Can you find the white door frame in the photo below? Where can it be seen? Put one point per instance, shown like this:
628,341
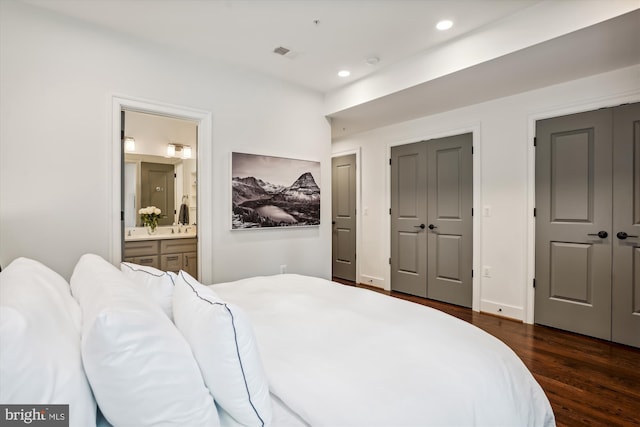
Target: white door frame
355,151
475,129
204,168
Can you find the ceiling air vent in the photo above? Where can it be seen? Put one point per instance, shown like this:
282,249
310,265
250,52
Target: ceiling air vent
281,50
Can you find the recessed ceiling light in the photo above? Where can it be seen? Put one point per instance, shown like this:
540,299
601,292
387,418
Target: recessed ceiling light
445,24
344,73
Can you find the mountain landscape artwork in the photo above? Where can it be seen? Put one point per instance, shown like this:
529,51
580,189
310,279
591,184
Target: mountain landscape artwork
270,191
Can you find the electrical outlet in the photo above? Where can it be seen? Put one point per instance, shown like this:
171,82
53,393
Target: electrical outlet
283,268
486,271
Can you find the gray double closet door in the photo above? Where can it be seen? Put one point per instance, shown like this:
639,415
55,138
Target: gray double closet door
588,223
431,219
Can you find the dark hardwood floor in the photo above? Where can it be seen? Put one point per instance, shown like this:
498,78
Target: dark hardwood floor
589,382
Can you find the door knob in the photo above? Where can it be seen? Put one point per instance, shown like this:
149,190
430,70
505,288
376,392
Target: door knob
622,235
601,234
431,226
421,226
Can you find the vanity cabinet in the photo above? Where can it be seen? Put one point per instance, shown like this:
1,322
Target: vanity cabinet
167,255
144,252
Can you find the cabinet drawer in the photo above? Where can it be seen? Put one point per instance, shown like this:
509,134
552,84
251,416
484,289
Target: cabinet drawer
171,262
141,248
173,246
150,261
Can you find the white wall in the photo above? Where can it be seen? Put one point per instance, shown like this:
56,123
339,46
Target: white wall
57,79
154,132
504,144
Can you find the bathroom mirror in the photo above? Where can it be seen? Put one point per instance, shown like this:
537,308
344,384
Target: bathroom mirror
159,168
167,183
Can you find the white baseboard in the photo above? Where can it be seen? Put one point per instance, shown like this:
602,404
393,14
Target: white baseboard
371,281
504,310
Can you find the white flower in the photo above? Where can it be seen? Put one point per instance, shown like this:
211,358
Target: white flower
150,210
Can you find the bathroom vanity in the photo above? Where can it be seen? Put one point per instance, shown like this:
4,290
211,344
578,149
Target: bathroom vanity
167,250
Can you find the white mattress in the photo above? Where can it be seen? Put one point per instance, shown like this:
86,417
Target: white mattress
343,356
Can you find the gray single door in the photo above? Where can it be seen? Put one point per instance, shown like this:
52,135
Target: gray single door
573,205
157,189
450,219
343,208
625,317
409,218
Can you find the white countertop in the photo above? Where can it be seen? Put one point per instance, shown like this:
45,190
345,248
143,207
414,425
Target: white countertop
133,234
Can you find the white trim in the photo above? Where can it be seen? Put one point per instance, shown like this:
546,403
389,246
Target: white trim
590,105
500,309
378,282
204,168
357,152
474,128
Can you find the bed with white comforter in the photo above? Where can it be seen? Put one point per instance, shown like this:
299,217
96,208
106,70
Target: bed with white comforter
343,356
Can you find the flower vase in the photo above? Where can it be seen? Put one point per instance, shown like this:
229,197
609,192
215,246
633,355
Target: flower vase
151,230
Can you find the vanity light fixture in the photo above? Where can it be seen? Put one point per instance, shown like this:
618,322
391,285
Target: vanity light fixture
173,148
186,152
129,144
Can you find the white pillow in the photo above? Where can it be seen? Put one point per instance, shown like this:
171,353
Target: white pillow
140,367
223,343
157,283
40,360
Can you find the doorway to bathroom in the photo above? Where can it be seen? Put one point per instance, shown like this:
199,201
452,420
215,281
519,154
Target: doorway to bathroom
159,188
182,237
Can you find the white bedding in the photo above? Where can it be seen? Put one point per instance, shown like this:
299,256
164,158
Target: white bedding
282,417
343,356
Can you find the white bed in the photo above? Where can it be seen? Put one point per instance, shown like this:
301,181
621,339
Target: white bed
152,348
343,356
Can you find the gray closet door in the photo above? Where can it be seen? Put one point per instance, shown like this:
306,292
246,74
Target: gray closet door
431,219
343,207
408,219
588,223
450,220
573,205
626,219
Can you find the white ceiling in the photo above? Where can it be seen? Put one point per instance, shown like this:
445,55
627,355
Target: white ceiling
245,32
607,46
326,36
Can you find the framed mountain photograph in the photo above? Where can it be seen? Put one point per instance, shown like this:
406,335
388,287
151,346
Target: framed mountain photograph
269,191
